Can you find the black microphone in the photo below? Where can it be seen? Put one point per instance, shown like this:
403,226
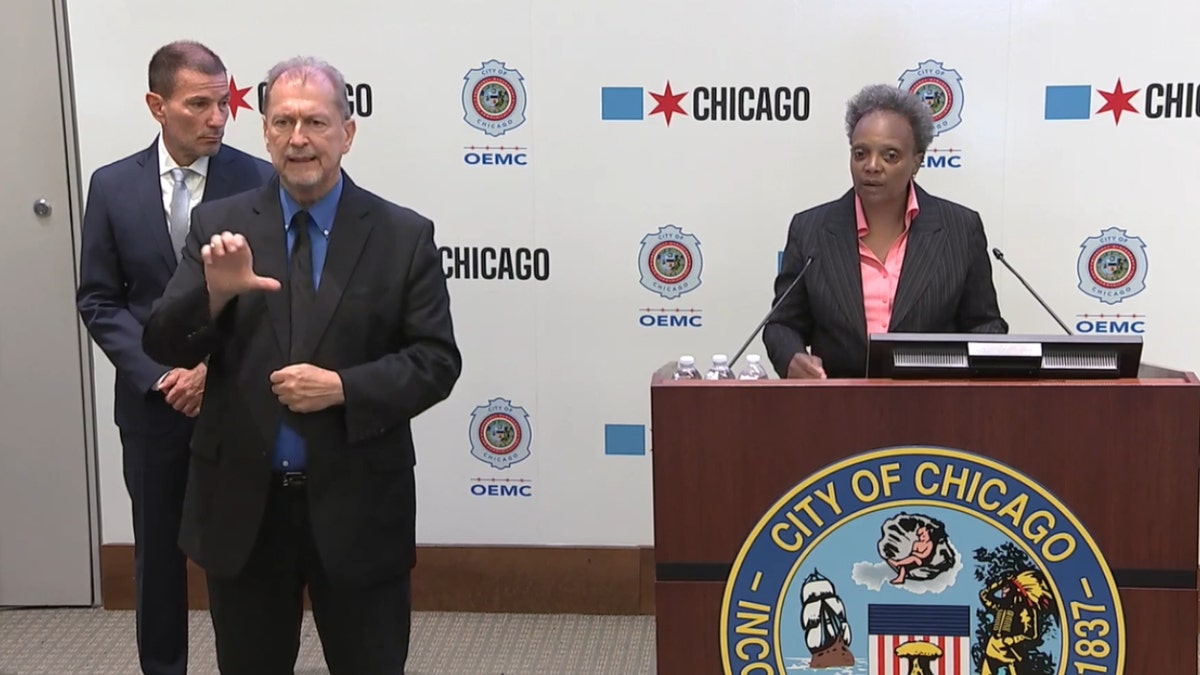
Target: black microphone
770,312
1000,256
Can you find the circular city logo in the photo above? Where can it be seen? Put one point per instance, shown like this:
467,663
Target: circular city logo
1112,266
670,262
500,433
493,98
921,561
940,88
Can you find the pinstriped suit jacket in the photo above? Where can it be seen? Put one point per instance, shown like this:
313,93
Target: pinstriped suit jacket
945,284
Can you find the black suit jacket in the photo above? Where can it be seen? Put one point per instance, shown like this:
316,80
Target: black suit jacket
381,320
945,284
126,260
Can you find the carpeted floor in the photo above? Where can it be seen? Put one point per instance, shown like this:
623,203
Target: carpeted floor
99,642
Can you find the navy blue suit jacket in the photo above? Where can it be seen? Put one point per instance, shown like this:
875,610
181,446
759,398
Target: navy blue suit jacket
126,261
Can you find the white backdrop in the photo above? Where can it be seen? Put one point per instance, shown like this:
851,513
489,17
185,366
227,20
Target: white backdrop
570,350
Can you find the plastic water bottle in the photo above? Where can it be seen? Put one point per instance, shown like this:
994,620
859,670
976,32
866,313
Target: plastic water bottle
753,369
686,369
720,368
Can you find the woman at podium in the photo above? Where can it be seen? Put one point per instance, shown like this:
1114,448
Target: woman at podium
886,256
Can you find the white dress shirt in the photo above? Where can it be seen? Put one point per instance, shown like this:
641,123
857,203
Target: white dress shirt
195,180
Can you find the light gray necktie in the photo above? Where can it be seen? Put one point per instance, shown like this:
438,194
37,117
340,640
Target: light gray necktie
180,203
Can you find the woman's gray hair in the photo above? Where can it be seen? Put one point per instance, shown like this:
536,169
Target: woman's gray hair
300,68
877,97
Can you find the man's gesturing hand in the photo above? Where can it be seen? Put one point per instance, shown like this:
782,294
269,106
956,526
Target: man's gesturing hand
229,267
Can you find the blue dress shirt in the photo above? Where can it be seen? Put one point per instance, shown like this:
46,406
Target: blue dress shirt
289,446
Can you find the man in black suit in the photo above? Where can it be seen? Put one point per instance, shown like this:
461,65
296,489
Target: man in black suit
325,318
133,229
887,256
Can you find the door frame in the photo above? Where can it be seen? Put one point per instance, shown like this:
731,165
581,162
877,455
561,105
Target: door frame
87,375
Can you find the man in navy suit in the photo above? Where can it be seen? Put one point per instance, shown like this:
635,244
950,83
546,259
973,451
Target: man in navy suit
134,224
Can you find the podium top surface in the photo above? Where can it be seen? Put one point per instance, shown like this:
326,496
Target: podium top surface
1148,375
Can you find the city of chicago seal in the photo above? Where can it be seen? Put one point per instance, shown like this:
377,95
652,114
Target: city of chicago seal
1112,266
500,433
940,88
670,262
921,561
493,98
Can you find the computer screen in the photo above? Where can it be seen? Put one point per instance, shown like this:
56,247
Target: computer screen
971,355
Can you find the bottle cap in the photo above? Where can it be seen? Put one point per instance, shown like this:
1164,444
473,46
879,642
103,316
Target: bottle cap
720,358
753,358
687,360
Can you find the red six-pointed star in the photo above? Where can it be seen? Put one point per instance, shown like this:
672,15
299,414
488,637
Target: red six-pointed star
668,103
1117,101
237,98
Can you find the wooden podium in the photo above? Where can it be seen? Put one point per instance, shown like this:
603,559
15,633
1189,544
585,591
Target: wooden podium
1123,455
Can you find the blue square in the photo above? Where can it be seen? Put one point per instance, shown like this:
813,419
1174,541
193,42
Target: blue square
624,439
1069,102
622,103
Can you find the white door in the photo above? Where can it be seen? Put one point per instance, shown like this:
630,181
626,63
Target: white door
48,537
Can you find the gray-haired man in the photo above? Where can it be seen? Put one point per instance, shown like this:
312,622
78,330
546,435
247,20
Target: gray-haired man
325,315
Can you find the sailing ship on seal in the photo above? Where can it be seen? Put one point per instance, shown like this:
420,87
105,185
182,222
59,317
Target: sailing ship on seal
823,617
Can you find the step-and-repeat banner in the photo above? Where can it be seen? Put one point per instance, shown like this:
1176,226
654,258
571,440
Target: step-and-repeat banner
612,184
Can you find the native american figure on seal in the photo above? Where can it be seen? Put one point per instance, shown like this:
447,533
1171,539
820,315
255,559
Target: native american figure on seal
1016,604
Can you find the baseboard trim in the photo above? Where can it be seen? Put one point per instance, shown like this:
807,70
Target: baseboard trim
542,580
536,580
